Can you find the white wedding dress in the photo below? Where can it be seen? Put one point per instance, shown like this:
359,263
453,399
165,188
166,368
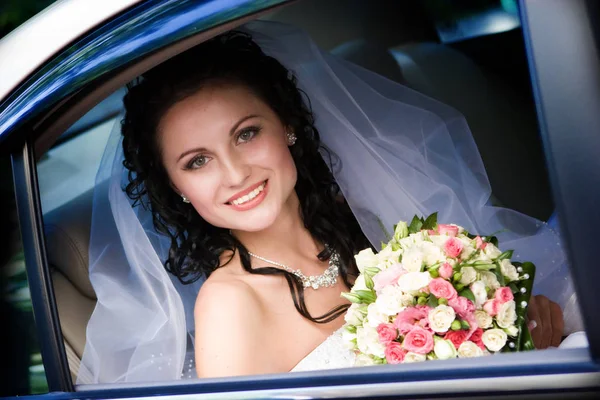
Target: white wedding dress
328,355
333,354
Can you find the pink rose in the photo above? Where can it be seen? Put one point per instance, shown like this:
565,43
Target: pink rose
394,353
409,317
449,230
503,295
440,287
388,277
387,333
446,271
453,247
456,337
432,232
480,244
463,306
491,307
476,338
418,340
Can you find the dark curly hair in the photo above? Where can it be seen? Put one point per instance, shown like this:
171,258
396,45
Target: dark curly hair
196,246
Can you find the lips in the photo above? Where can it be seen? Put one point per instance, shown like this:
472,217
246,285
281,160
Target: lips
245,192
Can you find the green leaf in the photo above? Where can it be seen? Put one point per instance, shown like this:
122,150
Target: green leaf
430,222
468,294
506,255
432,301
513,288
499,276
415,225
493,240
485,267
369,281
351,297
367,296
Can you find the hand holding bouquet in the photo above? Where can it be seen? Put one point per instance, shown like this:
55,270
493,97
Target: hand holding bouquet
435,291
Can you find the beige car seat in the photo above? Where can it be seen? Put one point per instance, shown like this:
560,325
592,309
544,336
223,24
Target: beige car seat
67,241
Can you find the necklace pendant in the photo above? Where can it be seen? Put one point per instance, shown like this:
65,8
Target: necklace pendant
327,279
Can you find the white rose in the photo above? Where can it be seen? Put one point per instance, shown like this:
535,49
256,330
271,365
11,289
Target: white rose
353,315
494,339
376,316
412,259
491,251
414,357
439,240
363,360
507,314
478,289
490,279
432,254
359,284
483,319
469,275
512,331
412,282
411,240
349,339
365,258
468,247
367,341
440,318
444,349
407,300
469,349
509,270
387,257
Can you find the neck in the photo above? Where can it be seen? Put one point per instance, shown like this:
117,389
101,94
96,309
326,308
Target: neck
286,236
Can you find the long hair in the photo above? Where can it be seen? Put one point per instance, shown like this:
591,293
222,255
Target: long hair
197,246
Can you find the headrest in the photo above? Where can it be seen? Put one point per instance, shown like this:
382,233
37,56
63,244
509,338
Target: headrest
67,231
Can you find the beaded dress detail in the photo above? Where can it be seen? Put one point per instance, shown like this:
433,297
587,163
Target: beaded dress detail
330,354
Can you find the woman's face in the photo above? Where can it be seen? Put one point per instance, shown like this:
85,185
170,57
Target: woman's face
227,152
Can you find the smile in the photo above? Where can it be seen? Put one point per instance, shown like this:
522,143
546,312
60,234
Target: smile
250,198
250,195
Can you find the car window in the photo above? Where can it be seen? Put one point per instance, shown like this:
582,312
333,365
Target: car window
69,168
469,75
22,367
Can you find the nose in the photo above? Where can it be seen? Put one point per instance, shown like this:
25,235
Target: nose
235,171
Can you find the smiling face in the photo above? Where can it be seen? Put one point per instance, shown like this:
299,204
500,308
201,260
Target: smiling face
227,152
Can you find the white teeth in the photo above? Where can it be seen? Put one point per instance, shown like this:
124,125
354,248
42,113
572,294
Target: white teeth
249,196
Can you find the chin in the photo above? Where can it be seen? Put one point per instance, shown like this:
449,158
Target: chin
256,223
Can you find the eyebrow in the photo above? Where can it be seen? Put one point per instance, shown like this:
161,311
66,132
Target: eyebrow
231,132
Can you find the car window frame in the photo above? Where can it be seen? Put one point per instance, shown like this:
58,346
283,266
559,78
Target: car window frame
46,127
567,128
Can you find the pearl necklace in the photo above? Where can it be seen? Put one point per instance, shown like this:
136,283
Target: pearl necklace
327,279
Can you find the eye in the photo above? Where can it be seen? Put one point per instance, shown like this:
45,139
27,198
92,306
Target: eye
197,162
247,134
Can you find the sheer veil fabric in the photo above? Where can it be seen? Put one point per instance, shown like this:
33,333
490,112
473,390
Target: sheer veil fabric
397,153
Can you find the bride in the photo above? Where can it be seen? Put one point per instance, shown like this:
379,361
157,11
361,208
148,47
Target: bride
256,166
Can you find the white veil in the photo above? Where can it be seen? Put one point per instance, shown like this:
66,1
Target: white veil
399,153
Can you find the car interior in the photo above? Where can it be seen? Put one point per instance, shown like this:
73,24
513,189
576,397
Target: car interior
483,77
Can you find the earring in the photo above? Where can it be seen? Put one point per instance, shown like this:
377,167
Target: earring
291,138
185,199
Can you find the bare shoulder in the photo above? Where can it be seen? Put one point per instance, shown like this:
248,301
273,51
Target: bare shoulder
228,317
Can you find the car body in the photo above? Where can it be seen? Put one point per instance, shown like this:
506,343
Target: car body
65,74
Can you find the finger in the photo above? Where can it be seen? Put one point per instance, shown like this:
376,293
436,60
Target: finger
534,321
545,320
558,324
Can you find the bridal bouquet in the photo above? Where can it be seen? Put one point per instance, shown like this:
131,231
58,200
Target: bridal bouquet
435,291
